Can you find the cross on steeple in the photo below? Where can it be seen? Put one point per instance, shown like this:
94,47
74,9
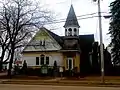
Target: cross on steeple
71,2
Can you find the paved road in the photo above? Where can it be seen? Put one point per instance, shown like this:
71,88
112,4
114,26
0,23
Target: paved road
47,87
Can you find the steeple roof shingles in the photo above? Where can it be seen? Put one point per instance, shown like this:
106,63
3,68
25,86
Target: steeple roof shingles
71,18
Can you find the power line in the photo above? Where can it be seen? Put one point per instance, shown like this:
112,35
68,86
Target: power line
77,19
55,3
70,20
81,15
63,20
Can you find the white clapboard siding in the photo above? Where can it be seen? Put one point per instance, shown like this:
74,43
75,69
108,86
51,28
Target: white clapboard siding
31,60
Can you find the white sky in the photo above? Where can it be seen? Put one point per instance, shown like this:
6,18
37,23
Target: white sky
81,7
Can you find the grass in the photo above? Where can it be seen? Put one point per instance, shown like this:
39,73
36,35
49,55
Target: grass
25,77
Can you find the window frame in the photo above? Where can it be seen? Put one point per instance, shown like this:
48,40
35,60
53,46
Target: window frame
37,61
66,32
70,32
42,42
68,64
46,60
75,32
42,59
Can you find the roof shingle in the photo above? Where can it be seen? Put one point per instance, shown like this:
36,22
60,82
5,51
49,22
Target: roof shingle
71,18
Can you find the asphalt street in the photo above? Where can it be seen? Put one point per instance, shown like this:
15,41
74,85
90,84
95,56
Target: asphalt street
48,87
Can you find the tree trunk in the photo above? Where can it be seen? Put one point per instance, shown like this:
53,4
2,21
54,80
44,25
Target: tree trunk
1,61
10,63
0,65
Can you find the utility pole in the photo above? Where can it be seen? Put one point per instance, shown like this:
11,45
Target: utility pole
101,41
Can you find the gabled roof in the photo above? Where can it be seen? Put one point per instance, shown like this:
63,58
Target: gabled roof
52,41
56,37
86,42
71,18
88,38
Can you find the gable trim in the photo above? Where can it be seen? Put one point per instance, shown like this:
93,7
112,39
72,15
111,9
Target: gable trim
42,29
52,38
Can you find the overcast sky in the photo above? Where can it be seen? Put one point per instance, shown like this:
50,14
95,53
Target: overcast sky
81,7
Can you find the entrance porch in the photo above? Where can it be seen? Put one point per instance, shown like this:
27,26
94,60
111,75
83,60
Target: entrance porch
72,61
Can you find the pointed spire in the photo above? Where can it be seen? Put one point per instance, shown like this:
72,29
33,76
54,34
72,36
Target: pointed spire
71,18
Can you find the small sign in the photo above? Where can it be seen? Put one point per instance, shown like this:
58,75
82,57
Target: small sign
61,69
44,70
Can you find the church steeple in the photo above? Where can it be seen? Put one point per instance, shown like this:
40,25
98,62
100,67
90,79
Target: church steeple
71,18
71,25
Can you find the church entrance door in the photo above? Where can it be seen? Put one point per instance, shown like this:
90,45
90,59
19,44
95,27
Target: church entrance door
69,63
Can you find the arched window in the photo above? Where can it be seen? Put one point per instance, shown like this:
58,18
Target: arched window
75,32
42,57
69,32
65,32
47,60
37,61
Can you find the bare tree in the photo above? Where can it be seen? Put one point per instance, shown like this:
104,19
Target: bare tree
4,44
19,19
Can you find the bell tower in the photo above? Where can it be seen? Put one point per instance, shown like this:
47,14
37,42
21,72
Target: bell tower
71,25
71,38
71,42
